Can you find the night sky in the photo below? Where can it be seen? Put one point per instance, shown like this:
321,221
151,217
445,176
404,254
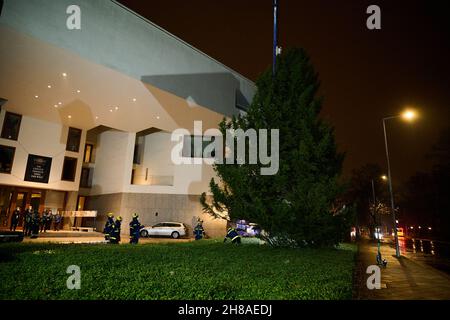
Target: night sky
366,75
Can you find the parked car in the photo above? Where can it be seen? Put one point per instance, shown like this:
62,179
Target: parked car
165,229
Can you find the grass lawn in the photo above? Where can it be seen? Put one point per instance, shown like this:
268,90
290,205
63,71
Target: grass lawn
207,269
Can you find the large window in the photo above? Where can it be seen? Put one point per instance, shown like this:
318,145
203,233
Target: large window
11,126
6,158
73,140
69,169
194,146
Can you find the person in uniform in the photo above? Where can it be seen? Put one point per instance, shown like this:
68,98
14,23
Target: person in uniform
28,221
57,221
43,221
35,223
49,220
108,225
114,237
233,235
199,231
135,229
15,219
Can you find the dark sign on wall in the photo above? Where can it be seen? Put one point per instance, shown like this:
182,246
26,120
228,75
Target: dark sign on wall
38,168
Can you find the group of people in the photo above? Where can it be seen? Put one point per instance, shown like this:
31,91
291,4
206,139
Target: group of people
112,229
33,222
199,233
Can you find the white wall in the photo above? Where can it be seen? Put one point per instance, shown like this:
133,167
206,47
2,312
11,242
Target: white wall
187,178
155,160
113,163
45,139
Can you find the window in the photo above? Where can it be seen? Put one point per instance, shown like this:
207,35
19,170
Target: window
73,140
6,158
194,146
69,169
11,126
84,180
88,152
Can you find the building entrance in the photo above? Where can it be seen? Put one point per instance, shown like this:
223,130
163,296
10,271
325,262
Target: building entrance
13,197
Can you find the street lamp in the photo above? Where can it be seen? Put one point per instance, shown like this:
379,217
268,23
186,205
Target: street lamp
408,115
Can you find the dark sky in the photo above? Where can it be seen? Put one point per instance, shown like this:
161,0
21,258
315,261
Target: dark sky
366,75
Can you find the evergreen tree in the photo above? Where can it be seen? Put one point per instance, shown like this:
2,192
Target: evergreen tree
294,206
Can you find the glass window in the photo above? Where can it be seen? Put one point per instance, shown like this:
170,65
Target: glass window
88,152
69,169
11,126
6,158
73,140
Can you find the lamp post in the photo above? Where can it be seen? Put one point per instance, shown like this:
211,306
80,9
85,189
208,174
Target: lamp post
408,115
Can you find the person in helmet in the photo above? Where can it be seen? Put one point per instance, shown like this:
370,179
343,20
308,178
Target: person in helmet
108,225
135,229
233,235
114,236
199,231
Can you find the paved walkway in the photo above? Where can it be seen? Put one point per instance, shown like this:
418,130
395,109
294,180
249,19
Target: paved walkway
402,279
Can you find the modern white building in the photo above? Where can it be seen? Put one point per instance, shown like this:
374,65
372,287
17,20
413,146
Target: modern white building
87,113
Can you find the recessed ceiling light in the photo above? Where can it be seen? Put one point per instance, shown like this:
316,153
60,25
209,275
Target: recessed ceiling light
117,108
36,96
134,99
78,91
69,116
56,106
110,110
60,103
49,86
96,118
64,74
157,117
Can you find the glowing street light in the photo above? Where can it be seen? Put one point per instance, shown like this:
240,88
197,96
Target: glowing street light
384,177
407,115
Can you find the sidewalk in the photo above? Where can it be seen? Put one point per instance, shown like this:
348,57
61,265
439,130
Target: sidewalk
402,279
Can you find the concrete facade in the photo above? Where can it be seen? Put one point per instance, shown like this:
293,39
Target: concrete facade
170,207
126,83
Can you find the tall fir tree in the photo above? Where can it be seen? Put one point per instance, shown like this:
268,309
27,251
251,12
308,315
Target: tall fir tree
294,206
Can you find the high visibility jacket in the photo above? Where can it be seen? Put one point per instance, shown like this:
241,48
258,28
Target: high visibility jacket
108,226
198,232
135,227
232,234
